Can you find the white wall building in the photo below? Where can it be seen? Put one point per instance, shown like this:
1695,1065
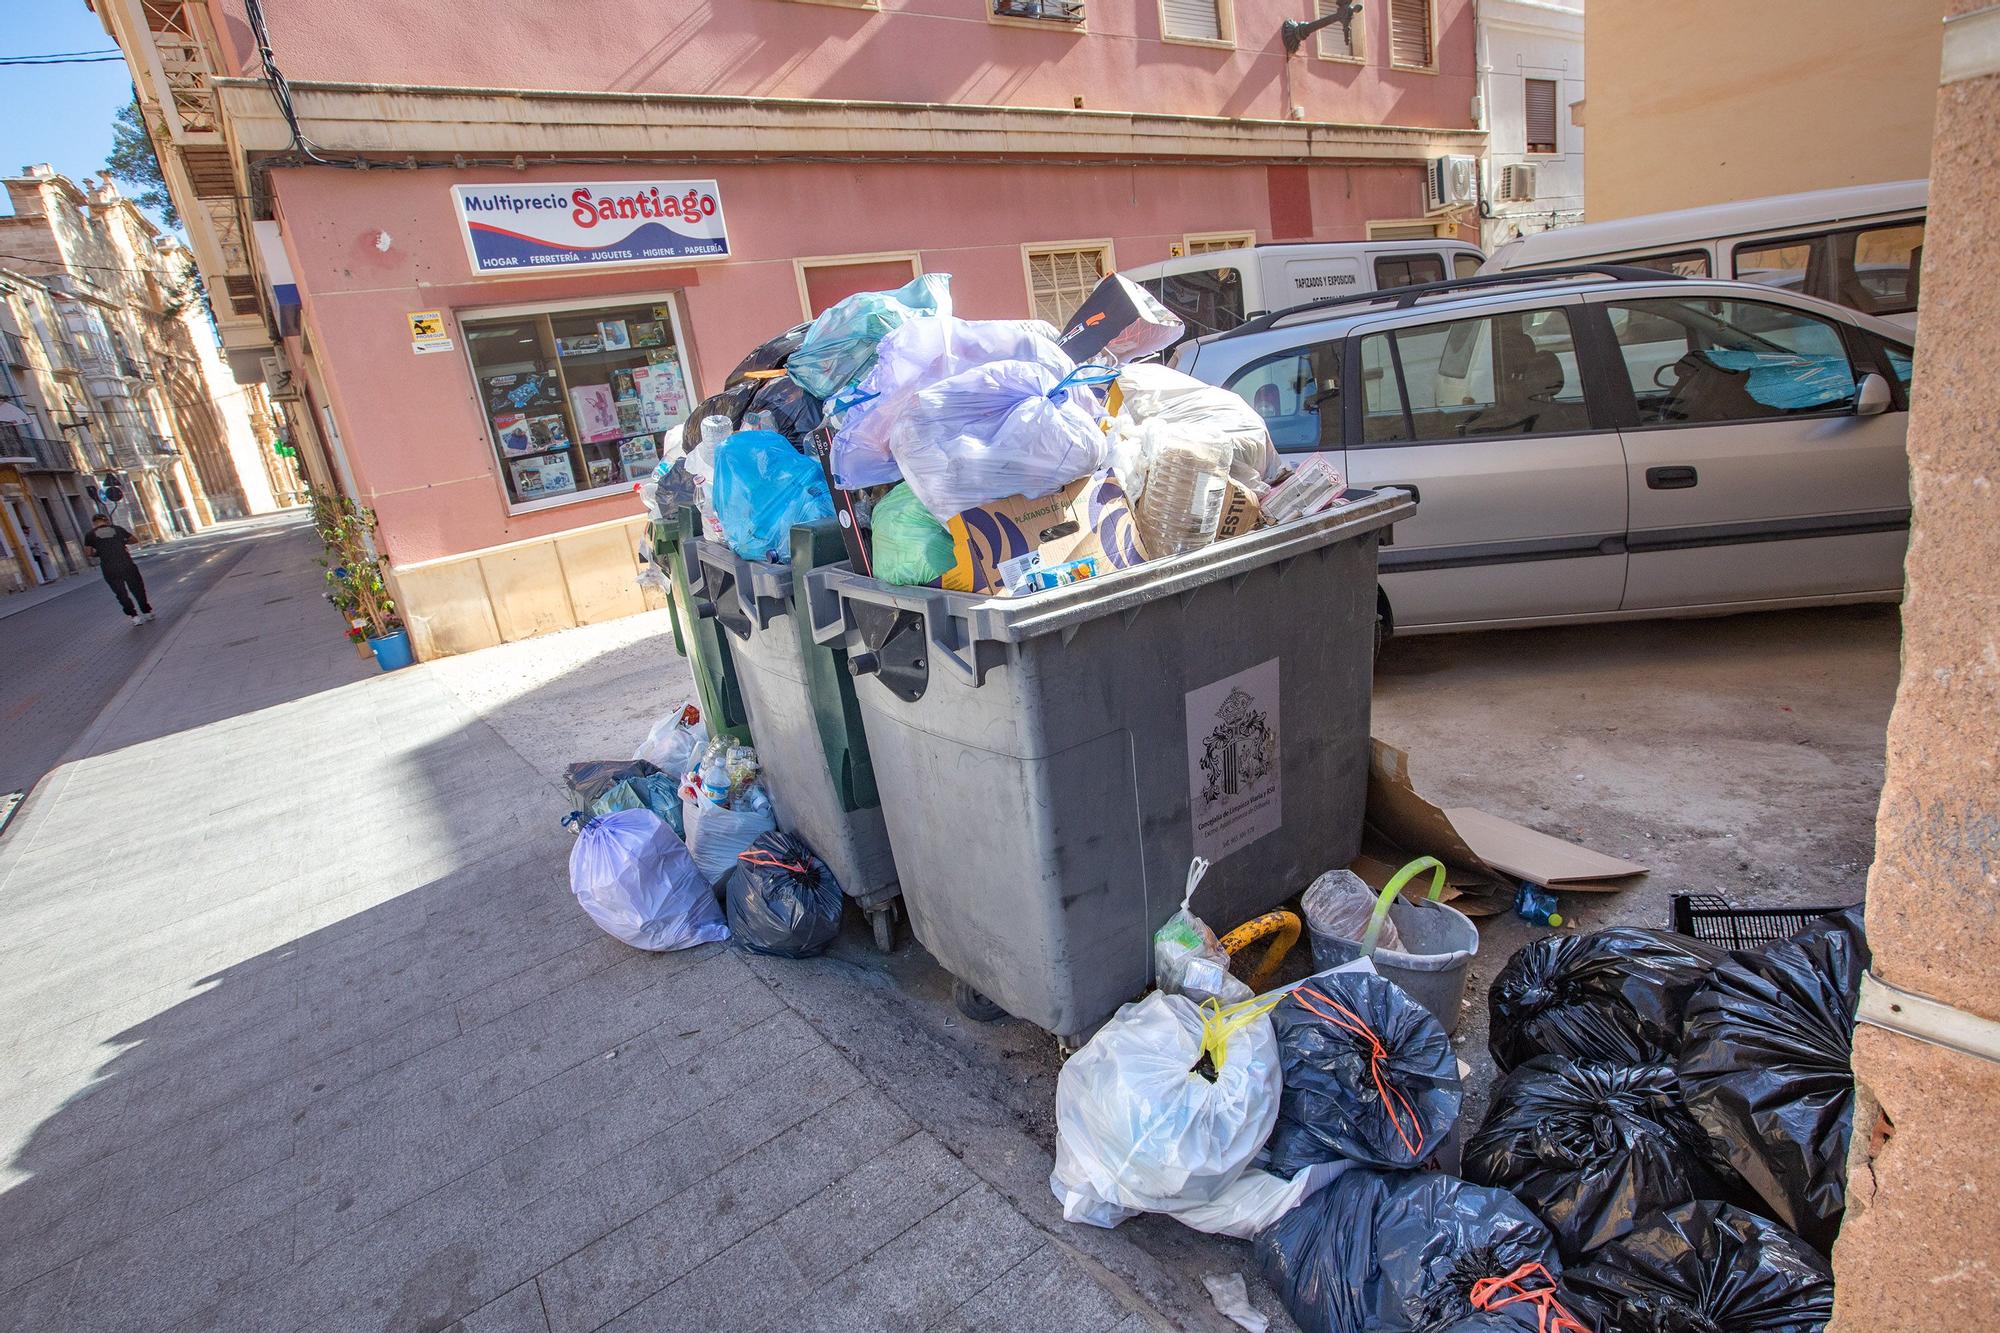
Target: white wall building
1530,59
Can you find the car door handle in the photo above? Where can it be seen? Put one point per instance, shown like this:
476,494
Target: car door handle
1671,478
1416,496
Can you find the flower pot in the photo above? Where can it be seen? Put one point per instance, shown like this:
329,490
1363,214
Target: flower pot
392,651
362,647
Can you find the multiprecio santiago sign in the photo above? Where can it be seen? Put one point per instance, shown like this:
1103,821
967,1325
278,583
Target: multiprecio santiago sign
589,224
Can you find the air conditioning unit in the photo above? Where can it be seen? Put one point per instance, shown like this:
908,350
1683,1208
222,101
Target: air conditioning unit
1517,183
1452,182
278,379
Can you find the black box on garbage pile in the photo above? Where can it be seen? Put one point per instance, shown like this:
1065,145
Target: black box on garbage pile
1121,315
819,443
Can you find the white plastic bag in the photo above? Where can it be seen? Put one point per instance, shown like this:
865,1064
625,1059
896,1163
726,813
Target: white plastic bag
716,834
633,877
916,354
1187,957
1004,428
674,739
1340,903
1150,392
1140,1123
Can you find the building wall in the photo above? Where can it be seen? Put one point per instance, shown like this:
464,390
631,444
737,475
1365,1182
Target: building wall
1723,100
944,51
1521,40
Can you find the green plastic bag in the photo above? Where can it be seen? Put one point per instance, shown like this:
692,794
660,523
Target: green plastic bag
910,545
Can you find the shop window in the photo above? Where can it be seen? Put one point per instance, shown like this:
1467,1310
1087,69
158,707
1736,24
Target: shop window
1060,277
1410,34
578,399
1339,41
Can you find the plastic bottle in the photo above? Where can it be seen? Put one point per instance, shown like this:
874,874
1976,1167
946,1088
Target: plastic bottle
715,776
701,467
1186,478
1537,904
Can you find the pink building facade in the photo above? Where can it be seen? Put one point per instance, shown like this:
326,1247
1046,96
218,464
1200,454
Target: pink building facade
850,146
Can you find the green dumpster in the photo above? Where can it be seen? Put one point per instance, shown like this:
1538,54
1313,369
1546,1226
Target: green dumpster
695,637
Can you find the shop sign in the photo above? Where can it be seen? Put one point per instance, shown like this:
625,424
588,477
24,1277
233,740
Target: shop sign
589,224
1235,788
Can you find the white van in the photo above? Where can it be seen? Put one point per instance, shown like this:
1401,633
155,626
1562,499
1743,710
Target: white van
1860,246
1216,290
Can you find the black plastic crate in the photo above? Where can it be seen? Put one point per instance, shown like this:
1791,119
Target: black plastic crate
1709,918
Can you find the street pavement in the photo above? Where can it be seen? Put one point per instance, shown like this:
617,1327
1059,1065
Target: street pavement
64,656
305,1031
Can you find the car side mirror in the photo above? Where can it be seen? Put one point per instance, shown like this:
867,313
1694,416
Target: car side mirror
1871,396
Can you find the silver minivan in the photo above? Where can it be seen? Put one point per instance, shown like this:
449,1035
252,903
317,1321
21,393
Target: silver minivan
1606,445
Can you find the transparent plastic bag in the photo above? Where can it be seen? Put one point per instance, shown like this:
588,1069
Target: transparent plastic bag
634,878
1004,428
1340,903
841,344
1164,1108
717,835
919,353
1188,958
1151,392
674,739
763,489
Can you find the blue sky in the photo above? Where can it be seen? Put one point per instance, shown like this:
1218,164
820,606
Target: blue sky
59,114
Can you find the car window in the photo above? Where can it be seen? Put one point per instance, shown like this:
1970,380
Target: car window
1297,393
1701,360
1207,301
1383,420
1464,265
1403,270
1513,373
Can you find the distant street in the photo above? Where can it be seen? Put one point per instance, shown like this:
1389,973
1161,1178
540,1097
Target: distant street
63,660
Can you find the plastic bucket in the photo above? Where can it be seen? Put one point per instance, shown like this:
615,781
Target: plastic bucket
1442,939
392,651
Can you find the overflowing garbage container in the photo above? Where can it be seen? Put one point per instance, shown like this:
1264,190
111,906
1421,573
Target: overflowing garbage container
801,703
696,639
1049,764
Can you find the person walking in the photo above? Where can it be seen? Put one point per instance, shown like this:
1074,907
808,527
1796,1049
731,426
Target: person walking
110,546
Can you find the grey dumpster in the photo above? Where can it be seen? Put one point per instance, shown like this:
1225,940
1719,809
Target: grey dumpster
1050,764
800,701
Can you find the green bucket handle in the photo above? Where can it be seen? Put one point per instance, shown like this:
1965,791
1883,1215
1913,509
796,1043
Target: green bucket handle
1394,886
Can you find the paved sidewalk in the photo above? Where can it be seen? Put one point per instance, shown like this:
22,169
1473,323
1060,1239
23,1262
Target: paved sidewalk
306,1032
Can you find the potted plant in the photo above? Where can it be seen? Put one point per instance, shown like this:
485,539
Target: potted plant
354,579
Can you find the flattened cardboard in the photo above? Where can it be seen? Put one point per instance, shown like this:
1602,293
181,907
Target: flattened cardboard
1088,517
1483,854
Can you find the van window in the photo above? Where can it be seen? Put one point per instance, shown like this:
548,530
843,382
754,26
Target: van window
1697,361
1207,301
1297,392
1513,373
1464,265
1683,263
1403,270
1873,269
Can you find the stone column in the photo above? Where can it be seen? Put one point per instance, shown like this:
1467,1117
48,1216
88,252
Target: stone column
1920,1249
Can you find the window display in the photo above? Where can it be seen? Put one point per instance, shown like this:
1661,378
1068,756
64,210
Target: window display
578,399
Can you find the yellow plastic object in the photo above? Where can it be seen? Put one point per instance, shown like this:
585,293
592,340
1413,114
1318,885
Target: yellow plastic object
1219,1021
1281,927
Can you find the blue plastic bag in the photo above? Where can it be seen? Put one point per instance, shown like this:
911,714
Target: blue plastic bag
763,489
840,345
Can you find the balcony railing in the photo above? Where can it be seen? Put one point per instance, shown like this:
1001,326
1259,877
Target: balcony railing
33,451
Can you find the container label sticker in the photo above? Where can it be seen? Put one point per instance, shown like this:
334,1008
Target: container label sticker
1235,792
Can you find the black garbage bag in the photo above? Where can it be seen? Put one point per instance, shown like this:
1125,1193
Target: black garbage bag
796,411
1369,1076
772,353
1705,1267
732,402
1765,1069
1398,1252
1591,1148
590,780
781,899
1614,997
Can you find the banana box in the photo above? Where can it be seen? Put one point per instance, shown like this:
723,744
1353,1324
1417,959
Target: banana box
1089,517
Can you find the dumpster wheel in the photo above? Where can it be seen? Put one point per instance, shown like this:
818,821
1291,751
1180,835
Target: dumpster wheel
974,1005
1282,929
882,920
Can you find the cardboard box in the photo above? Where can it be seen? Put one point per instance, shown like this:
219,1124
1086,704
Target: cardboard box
1240,512
1088,517
1120,316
